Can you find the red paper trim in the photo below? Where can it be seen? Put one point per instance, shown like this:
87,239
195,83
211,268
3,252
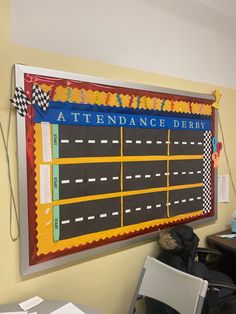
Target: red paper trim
32,225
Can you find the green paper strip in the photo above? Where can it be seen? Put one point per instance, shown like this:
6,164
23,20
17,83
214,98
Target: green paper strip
55,141
56,223
55,183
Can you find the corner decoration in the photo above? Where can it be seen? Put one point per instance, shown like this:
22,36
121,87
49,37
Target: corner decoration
109,161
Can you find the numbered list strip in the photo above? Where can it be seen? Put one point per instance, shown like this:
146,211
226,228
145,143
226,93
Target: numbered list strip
46,142
45,184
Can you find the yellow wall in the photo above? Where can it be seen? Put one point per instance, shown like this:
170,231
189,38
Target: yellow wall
106,282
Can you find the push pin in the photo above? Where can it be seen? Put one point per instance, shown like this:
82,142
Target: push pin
218,147
215,158
214,144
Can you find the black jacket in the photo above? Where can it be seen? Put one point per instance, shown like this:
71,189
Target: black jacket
179,248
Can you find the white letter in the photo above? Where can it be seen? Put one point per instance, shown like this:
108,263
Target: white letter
132,122
176,123
162,122
75,114
61,117
122,120
143,121
113,119
100,118
203,125
191,125
152,122
184,124
87,116
197,125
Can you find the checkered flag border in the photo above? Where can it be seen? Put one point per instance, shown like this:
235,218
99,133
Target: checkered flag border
39,97
20,101
207,172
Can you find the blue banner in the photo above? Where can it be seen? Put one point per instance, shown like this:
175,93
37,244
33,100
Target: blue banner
94,118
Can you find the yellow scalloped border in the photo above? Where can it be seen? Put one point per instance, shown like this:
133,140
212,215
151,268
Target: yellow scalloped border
82,96
44,218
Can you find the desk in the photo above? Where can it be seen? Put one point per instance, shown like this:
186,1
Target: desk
46,307
228,249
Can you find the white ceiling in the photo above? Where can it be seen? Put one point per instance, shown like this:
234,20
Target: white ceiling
192,39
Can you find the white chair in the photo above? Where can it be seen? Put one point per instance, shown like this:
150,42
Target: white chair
183,292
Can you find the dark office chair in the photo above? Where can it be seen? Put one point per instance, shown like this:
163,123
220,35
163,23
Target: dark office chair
179,249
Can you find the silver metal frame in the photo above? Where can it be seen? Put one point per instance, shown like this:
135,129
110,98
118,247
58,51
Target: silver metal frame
26,268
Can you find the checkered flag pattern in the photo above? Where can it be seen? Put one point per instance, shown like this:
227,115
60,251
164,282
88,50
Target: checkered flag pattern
207,172
40,97
20,101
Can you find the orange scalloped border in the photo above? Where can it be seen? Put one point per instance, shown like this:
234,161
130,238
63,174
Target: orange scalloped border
83,96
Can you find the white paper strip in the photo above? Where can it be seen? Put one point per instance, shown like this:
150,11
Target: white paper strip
15,312
223,189
68,308
28,304
45,184
46,141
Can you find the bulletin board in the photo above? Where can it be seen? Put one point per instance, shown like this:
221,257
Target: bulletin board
103,164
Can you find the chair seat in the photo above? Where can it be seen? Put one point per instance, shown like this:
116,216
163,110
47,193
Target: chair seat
216,276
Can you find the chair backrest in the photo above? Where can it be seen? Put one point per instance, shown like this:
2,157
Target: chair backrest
183,292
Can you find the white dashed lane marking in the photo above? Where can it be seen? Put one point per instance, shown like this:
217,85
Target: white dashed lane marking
191,199
79,180
65,181
129,141
103,179
91,217
79,219
91,179
128,177
103,215
130,210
